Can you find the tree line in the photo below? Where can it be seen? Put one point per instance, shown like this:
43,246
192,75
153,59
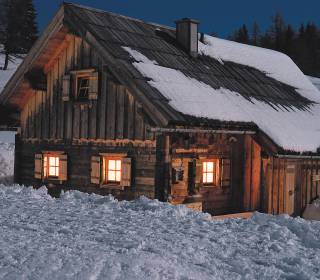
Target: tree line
18,28
301,44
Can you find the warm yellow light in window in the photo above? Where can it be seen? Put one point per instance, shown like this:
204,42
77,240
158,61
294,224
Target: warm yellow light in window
208,172
114,170
51,166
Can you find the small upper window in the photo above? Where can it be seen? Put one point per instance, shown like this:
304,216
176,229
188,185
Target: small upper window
51,166
83,88
209,172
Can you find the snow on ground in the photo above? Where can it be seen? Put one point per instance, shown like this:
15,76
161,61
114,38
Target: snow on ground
81,236
6,157
291,129
6,75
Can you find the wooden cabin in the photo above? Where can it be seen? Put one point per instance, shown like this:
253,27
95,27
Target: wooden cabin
113,105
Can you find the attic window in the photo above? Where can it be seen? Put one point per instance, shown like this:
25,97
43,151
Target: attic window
80,85
83,88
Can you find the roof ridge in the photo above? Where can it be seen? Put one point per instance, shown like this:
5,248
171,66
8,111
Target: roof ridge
117,15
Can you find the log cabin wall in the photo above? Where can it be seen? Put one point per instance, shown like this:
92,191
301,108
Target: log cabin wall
291,184
115,115
79,166
112,123
227,195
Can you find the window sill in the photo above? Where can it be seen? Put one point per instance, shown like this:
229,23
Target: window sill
209,187
52,180
81,102
112,187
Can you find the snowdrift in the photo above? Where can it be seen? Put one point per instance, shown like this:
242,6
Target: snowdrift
82,236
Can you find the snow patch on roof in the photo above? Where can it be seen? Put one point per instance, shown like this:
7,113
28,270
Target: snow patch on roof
293,130
274,64
315,81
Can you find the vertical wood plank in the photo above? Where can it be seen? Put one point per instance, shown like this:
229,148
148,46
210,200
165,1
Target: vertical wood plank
131,116
84,122
111,110
102,106
120,111
76,122
256,177
247,173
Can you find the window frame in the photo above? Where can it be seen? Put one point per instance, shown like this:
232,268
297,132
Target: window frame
215,172
80,74
105,170
46,166
79,79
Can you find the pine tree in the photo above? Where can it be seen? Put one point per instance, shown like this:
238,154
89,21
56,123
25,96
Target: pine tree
29,26
21,29
241,35
256,36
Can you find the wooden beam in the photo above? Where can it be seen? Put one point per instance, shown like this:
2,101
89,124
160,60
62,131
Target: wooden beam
58,53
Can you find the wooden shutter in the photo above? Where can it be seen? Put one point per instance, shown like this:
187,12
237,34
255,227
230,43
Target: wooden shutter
66,88
126,172
93,86
96,170
38,160
198,173
63,167
225,173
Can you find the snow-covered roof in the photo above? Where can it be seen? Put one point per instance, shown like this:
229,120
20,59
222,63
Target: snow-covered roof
291,128
228,83
315,81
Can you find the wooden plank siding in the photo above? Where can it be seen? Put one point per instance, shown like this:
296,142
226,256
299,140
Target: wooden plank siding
304,189
115,115
79,166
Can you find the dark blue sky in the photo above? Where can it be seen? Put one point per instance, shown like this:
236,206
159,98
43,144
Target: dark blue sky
221,17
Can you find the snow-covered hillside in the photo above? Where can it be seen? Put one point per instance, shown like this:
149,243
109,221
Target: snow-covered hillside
81,236
6,75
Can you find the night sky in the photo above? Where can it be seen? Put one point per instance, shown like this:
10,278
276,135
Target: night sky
221,17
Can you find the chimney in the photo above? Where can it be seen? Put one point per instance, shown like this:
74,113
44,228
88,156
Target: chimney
187,35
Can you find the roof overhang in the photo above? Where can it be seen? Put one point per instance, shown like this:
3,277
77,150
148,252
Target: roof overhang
18,89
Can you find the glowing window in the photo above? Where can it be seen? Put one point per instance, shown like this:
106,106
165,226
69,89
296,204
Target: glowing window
51,166
208,173
113,170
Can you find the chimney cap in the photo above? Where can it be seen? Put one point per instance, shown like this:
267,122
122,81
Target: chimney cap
187,20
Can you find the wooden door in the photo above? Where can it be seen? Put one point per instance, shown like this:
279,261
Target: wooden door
290,188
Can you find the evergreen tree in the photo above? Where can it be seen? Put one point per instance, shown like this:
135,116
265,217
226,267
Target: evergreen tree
302,45
256,36
21,29
241,35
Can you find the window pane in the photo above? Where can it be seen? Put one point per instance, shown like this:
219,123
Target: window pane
118,167
209,177
112,165
52,171
210,166
205,167
204,179
52,161
118,176
111,176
